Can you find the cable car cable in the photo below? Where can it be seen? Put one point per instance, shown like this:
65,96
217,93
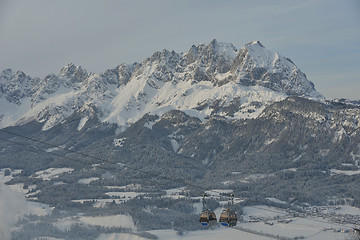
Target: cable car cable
124,165
155,175
99,159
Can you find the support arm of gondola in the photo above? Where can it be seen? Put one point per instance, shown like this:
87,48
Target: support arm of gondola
232,199
203,201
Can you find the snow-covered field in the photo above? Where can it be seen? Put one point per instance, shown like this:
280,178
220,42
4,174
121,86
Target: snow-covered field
51,173
4,179
259,222
87,180
307,228
175,193
118,236
278,222
349,173
118,220
218,233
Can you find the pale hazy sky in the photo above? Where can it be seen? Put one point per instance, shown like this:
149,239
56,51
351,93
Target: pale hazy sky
322,37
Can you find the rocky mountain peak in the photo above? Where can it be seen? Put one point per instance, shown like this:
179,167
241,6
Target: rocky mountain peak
5,77
15,86
165,57
256,65
76,73
6,72
119,75
8,75
256,43
222,48
214,57
211,52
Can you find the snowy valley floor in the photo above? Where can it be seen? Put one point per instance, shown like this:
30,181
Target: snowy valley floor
258,222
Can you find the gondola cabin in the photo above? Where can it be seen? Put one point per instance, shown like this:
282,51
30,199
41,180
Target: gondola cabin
207,218
228,218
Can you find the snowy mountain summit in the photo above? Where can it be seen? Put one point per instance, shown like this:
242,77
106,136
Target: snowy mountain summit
208,80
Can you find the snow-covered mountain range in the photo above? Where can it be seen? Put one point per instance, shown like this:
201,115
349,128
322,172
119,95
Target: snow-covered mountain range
208,80
138,144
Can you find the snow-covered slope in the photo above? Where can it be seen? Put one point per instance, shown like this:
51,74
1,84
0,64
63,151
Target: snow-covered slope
214,79
256,65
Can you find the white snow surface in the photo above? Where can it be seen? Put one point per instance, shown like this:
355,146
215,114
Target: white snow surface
174,144
126,187
124,195
175,193
119,142
218,233
118,236
87,180
51,173
82,123
5,179
343,209
118,220
267,220
267,59
261,211
126,109
345,172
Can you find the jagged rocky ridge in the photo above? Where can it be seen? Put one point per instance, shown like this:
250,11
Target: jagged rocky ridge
208,80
